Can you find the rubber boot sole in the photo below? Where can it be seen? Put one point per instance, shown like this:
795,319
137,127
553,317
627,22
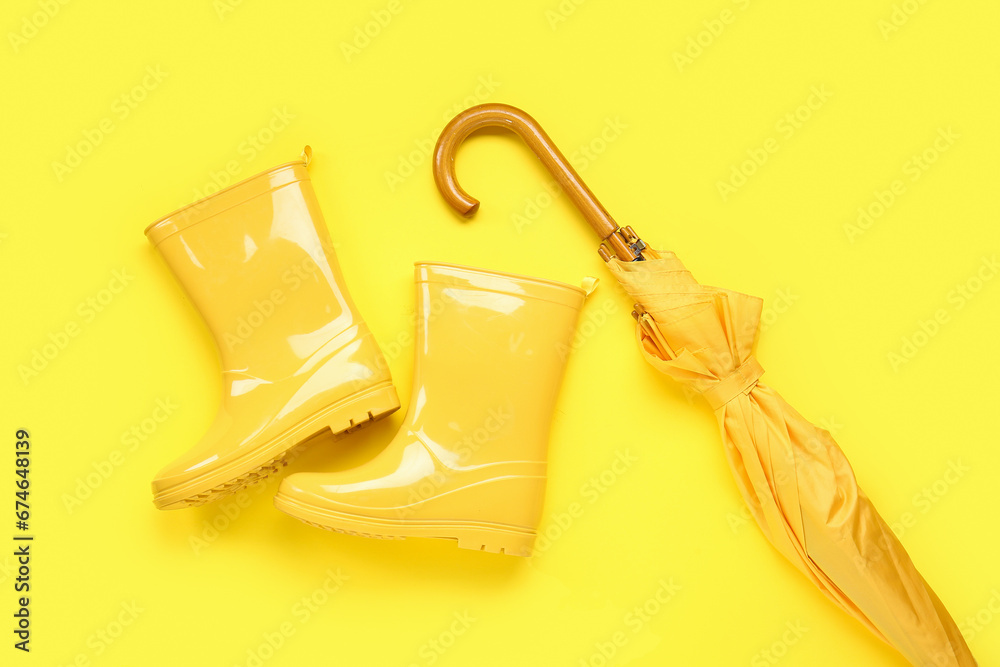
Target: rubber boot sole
474,535
255,466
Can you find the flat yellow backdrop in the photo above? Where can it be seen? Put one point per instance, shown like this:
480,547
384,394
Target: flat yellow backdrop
837,159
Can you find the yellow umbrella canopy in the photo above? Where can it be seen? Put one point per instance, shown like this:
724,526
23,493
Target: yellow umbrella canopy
795,479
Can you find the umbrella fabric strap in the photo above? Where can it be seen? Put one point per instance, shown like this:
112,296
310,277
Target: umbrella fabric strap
740,382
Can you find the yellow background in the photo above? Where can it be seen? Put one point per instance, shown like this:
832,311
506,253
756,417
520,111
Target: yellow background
837,304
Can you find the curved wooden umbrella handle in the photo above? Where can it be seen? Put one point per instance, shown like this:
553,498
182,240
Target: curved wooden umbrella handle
623,242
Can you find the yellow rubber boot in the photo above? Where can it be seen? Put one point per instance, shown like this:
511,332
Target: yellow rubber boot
469,462
257,262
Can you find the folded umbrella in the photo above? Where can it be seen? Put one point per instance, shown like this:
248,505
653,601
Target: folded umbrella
795,479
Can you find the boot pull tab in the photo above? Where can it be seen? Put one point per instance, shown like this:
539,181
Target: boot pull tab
589,284
307,155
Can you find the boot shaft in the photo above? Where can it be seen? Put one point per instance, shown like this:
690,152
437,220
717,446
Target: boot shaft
490,353
256,258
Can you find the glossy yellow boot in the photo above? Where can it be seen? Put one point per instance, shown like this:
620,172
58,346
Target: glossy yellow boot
469,462
257,262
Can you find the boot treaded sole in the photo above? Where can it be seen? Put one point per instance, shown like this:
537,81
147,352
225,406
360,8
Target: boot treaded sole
345,416
475,535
